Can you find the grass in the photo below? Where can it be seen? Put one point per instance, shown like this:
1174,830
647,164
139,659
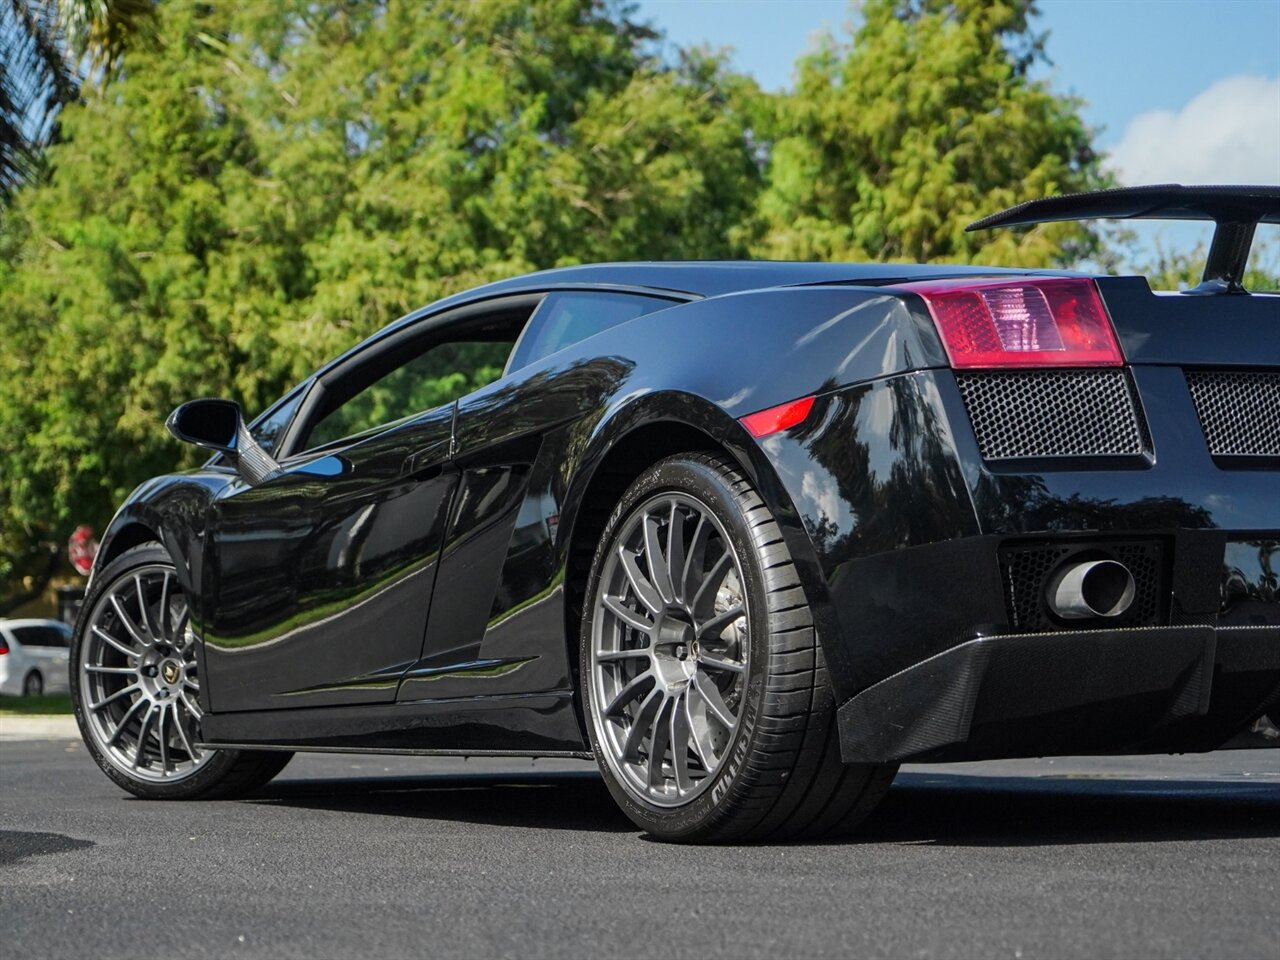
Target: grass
51,703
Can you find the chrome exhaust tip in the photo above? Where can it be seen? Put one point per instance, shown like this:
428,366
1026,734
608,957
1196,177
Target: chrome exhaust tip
1095,588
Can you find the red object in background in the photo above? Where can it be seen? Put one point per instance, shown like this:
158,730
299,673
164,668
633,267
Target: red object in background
82,548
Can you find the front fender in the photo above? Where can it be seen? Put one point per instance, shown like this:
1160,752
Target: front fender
169,509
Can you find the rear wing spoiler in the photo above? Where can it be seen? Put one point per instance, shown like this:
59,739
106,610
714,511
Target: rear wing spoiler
1235,210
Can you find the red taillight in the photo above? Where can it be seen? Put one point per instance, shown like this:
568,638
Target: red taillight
4,646
764,422
1040,322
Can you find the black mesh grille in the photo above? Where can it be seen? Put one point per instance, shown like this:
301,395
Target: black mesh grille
1053,413
1240,412
1026,570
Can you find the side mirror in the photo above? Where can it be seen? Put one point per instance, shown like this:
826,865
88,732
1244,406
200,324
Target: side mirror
219,425
213,424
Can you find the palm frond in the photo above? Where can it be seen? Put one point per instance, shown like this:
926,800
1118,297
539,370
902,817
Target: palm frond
100,31
35,80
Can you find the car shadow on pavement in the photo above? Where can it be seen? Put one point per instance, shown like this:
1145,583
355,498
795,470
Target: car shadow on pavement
958,810
561,800
926,808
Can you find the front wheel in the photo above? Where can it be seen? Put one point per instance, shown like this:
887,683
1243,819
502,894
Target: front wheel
135,687
704,686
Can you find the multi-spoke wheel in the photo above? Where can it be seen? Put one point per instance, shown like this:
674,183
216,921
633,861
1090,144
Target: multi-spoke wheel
136,687
703,683
669,651
139,677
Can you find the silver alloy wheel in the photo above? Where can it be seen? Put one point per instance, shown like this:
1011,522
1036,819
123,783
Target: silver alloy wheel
139,678
669,650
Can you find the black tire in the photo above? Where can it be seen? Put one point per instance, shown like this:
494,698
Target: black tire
786,780
221,774
32,684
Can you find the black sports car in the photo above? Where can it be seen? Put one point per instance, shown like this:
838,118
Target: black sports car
748,534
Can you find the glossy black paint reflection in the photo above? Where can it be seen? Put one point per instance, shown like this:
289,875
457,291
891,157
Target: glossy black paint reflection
1251,583
320,579
1228,331
892,517
484,724
480,526
172,511
1181,488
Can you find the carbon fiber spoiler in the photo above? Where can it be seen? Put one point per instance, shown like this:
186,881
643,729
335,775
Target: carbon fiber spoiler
1236,210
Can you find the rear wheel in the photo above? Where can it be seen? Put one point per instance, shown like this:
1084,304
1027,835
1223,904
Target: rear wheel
704,686
32,684
135,686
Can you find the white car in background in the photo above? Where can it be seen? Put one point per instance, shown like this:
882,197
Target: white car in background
33,657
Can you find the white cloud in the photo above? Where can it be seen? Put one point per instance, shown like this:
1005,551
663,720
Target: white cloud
824,499
1230,133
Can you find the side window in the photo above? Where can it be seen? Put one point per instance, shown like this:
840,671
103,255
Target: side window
438,376
40,637
269,430
565,318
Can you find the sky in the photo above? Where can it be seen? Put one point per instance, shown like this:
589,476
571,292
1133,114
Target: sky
1180,91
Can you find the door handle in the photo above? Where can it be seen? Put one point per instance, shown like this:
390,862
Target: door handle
426,458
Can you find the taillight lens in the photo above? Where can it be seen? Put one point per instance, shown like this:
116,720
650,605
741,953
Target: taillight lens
762,423
4,646
1040,322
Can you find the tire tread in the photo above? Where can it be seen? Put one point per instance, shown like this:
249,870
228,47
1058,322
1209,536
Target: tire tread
793,784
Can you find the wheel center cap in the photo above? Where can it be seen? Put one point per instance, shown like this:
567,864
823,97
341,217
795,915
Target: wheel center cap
676,650
170,671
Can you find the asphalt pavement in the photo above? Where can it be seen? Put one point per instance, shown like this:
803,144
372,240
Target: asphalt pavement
374,856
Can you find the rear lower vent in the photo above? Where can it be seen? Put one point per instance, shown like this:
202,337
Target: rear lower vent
1027,569
1240,412
1053,413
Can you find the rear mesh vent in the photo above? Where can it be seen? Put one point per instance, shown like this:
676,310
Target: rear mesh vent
1027,569
1053,413
1240,412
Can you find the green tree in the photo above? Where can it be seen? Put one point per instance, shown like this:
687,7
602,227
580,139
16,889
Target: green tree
266,183
1169,269
925,120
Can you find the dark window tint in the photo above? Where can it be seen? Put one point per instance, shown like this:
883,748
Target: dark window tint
41,637
270,428
432,379
565,318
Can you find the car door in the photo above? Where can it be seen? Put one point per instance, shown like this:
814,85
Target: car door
495,628
318,581
54,651
45,647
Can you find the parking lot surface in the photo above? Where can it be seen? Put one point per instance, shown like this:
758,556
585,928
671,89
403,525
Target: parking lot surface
375,856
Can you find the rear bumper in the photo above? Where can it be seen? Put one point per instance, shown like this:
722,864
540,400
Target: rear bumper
1137,690
930,565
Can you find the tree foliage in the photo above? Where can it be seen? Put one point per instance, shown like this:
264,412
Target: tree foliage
268,183
925,120
1172,269
262,184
